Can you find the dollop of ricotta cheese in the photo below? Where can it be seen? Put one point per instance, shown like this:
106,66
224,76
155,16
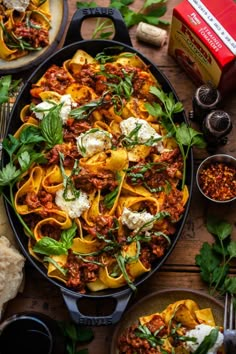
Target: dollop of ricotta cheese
93,141
43,108
135,220
19,5
145,132
200,332
74,208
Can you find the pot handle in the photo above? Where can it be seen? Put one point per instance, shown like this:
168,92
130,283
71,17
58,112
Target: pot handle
74,30
71,303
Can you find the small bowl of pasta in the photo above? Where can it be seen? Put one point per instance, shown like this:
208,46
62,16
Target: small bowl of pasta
171,321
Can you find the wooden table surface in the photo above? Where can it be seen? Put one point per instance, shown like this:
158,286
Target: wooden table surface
179,270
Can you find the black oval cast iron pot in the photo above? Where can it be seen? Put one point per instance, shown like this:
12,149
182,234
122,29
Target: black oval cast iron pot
73,42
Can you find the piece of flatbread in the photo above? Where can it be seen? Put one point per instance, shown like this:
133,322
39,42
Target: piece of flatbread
5,228
11,271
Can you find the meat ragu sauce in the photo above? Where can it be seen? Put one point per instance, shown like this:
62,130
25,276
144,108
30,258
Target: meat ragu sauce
104,184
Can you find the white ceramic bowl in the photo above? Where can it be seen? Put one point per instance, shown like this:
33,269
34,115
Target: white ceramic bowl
215,182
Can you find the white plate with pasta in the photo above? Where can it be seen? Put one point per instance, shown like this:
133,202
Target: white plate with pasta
28,37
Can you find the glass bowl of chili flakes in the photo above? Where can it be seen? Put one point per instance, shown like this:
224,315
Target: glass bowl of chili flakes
216,178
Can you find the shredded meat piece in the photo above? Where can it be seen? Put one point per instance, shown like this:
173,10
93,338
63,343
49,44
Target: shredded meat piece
157,323
75,129
129,343
88,181
32,200
69,151
55,79
51,230
79,272
37,37
103,225
173,204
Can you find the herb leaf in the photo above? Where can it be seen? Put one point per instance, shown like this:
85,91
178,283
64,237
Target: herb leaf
214,259
184,135
48,246
145,14
51,127
110,198
220,228
208,342
5,82
7,87
74,335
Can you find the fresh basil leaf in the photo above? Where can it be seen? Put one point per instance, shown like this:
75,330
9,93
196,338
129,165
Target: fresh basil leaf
110,198
121,261
208,342
49,246
51,127
68,235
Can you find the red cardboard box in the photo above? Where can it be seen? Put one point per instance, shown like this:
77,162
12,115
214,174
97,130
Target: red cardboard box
203,41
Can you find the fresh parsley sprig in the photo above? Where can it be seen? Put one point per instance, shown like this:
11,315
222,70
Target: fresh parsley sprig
185,136
215,259
20,150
